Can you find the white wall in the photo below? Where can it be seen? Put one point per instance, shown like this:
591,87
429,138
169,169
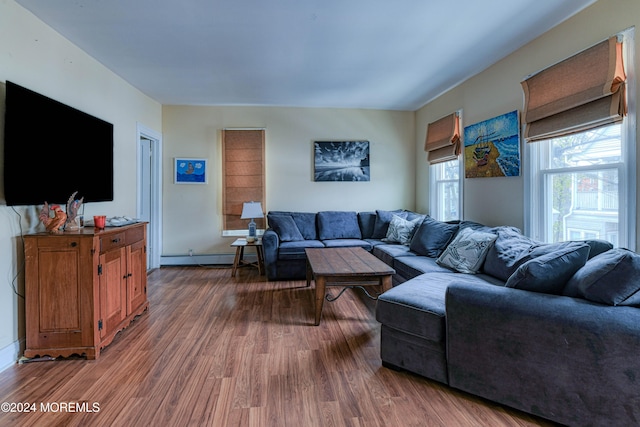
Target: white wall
191,213
497,90
35,56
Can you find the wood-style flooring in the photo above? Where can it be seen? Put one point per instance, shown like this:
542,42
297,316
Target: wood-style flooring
219,351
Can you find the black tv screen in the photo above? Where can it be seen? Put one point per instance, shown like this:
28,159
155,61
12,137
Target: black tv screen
52,150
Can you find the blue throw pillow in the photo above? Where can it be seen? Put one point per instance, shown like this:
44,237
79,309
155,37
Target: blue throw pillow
432,236
285,227
613,278
549,273
338,225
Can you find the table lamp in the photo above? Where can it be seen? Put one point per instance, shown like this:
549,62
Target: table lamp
251,210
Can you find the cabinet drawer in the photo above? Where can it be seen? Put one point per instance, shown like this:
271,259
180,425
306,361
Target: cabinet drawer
135,234
56,242
112,241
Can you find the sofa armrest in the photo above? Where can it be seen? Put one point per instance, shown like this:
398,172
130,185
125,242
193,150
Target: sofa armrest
270,245
566,359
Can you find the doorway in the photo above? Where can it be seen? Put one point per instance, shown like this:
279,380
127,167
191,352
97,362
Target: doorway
149,190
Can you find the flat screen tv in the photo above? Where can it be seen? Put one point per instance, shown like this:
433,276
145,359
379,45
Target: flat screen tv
52,150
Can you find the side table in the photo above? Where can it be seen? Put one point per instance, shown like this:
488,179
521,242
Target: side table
239,260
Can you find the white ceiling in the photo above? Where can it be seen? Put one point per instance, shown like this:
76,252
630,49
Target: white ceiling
380,54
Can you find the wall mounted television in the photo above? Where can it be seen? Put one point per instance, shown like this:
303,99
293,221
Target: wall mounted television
52,150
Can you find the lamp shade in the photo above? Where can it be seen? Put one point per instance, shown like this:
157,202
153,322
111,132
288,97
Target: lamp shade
251,210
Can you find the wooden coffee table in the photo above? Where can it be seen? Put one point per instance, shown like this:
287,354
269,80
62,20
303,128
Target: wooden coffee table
344,267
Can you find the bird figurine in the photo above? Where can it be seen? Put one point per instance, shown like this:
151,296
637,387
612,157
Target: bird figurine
73,206
52,224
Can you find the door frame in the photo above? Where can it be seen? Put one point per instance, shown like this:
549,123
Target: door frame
154,231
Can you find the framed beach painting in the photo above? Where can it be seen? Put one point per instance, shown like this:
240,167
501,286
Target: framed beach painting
190,171
341,161
492,147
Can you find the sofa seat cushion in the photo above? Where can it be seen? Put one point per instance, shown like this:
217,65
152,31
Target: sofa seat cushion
295,250
338,225
347,243
387,252
417,306
611,278
410,266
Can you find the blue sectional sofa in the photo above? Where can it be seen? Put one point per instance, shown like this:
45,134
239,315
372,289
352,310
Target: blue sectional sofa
550,329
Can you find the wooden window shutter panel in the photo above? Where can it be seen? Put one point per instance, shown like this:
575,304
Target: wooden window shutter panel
582,92
443,139
243,176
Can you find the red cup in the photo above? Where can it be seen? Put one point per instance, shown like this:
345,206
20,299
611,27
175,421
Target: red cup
99,221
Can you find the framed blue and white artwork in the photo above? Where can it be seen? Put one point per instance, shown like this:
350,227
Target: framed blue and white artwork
341,161
190,171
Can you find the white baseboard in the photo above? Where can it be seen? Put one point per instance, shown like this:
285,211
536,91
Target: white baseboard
215,259
10,354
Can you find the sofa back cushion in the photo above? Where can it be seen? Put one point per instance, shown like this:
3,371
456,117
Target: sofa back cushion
286,227
608,278
305,221
367,221
432,237
507,253
549,273
383,219
338,225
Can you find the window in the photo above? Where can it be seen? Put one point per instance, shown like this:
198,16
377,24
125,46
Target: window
445,190
443,148
578,186
243,177
580,183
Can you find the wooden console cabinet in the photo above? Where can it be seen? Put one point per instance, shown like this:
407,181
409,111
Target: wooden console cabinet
82,288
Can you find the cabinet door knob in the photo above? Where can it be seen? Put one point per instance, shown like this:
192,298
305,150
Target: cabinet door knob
74,244
115,240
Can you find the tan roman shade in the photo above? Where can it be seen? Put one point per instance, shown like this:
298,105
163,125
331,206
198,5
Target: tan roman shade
582,92
243,177
443,139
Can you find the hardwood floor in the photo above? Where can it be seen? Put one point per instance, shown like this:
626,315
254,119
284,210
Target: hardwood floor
221,351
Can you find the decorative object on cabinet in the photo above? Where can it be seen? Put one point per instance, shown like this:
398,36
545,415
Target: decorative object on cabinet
73,206
52,223
492,147
190,171
82,288
341,161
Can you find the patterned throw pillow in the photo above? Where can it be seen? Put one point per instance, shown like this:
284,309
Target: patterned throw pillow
467,251
400,230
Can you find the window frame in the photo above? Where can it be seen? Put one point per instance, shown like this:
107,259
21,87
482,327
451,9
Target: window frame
435,171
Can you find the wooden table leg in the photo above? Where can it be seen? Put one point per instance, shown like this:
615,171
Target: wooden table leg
309,274
386,283
320,288
260,255
236,260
